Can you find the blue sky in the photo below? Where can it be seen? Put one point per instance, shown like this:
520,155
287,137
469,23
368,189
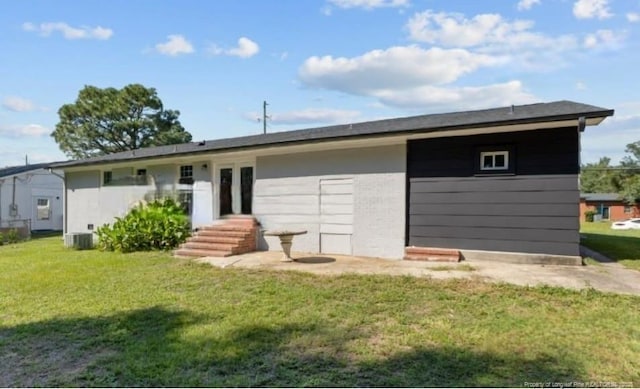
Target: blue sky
317,62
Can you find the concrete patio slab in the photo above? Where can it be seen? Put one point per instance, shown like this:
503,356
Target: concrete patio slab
616,279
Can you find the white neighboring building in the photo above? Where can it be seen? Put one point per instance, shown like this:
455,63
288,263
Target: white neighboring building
31,194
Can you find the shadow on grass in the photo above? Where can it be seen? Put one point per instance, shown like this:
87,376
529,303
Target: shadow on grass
159,347
39,234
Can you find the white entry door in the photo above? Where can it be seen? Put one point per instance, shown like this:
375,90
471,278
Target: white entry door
42,215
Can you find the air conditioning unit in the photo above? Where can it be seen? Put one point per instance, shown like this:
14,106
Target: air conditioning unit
79,240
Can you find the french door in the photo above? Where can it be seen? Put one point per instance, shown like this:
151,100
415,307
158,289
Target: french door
234,183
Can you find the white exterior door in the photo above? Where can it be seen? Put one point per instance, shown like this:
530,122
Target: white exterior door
233,188
42,215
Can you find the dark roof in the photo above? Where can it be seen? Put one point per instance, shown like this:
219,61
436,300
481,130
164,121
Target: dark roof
600,196
532,113
12,170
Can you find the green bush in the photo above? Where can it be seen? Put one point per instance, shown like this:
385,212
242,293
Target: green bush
589,214
158,225
12,236
1,239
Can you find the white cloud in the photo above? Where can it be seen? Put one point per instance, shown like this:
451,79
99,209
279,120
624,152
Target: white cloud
516,40
369,4
18,104
524,5
435,98
590,9
488,31
68,32
174,46
633,17
314,115
412,77
603,39
246,48
581,85
399,67
29,131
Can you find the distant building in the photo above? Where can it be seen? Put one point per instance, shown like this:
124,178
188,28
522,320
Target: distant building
608,206
31,198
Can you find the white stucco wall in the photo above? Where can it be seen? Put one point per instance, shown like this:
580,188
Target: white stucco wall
91,203
29,186
287,195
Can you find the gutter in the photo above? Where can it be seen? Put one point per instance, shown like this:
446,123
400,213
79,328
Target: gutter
320,135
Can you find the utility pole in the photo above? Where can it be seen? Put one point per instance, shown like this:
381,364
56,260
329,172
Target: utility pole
264,116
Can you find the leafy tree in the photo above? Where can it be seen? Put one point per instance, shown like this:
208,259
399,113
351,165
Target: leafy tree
105,121
630,188
599,177
624,179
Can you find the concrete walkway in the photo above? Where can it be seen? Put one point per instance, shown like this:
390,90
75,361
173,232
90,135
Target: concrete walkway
608,277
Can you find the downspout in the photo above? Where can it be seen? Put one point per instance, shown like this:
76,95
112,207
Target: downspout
13,195
582,124
64,201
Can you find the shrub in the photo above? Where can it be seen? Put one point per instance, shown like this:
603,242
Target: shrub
158,225
589,214
13,236
1,239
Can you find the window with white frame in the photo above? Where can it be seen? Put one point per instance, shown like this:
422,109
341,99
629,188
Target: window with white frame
186,174
494,160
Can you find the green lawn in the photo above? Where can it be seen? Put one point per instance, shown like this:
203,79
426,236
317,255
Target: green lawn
622,246
86,318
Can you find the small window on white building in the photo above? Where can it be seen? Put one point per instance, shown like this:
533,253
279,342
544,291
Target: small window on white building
141,177
186,174
494,160
107,178
44,208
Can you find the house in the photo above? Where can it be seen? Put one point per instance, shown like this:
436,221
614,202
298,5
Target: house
608,206
501,181
31,198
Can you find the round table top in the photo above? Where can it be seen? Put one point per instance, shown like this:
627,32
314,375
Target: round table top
284,232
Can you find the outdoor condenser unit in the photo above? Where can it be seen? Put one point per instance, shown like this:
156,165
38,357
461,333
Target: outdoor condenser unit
79,240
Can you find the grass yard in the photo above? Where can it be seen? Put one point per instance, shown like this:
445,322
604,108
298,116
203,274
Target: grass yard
623,246
87,318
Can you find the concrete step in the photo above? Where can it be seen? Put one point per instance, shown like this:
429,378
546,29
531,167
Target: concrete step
233,248
415,250
216,239
227,227
183,252
224,233
432,258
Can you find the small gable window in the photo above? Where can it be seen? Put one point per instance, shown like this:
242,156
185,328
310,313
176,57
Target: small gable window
491,160
494,160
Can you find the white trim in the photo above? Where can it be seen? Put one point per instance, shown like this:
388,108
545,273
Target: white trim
493,155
